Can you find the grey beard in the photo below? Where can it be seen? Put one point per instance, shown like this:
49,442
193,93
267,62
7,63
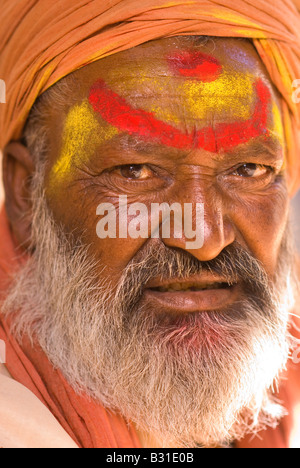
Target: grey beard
202,379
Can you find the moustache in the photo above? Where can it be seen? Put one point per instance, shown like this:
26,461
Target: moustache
234,264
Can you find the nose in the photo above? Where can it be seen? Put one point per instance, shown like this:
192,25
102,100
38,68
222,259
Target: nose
216,224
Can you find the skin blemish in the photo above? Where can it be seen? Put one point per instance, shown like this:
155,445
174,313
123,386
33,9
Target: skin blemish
196,65
82,135
116,111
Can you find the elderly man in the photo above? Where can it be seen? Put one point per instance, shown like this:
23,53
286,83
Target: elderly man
141,338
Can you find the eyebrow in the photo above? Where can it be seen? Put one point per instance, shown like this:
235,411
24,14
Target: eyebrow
130,145
268,145
134,143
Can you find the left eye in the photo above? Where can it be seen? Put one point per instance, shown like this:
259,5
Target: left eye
251,170
135,171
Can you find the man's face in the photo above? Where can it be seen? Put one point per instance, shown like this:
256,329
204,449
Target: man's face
185,342
173,121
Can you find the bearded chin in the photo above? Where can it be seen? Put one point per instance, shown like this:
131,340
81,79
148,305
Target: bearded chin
200,380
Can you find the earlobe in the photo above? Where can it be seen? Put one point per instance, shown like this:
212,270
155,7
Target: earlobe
18,169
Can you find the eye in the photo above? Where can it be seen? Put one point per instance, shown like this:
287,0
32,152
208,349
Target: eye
252,170
136,171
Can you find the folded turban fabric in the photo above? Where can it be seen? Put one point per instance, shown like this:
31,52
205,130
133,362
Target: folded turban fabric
41,41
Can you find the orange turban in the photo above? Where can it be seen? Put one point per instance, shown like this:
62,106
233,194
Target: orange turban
42,41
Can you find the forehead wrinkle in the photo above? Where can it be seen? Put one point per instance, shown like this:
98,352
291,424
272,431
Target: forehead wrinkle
165,114
191,101
269,147
134,144
266,146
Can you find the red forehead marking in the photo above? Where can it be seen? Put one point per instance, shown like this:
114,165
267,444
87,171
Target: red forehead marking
197,65
222,137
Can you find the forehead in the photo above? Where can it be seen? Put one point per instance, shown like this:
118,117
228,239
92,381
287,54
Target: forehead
177,59
179,93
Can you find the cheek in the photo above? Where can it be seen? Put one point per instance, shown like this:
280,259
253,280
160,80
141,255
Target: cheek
261,222
81,218
114,255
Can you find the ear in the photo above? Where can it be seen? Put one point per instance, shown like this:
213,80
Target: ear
18,169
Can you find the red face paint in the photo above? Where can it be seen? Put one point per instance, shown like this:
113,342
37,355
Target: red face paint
197,65
222,137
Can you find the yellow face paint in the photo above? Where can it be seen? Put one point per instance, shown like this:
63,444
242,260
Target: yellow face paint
82,135
288,130
231,92
277,124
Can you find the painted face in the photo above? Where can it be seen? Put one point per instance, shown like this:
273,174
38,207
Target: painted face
114,110
178,122
208,88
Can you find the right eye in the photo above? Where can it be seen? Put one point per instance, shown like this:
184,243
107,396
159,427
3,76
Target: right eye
135,171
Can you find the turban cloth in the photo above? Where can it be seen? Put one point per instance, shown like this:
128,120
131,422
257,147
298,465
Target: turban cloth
42,41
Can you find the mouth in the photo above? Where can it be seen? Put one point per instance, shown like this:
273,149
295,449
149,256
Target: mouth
203,294
172,287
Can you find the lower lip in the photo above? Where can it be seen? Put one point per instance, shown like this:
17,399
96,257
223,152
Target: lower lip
192,301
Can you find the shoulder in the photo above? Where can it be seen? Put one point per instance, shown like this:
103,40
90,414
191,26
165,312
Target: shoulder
24,421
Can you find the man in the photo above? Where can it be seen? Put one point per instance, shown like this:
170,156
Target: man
138,338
